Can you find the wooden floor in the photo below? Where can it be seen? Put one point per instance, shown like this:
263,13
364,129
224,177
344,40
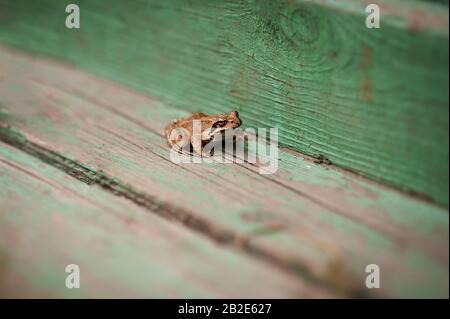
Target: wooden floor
85,178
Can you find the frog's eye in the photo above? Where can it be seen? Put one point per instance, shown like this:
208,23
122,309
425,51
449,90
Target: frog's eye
220,123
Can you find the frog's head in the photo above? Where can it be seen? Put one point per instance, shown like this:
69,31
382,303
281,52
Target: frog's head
220,123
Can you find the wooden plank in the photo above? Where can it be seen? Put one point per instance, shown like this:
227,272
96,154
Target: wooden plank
371,100
284,217
50,220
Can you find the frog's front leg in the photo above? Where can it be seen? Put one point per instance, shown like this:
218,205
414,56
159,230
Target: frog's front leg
196,142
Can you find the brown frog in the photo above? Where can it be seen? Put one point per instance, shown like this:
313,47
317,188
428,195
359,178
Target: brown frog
182,134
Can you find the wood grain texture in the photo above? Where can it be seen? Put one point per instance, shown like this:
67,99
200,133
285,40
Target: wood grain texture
49,220
373,101
324,222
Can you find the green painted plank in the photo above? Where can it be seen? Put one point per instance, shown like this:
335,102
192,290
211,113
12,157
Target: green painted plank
49,220
120,132
373,101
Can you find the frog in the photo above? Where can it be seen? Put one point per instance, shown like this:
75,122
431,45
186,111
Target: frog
182,134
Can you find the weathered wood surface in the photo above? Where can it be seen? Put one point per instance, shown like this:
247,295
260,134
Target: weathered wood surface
315,221
49,220
371,100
